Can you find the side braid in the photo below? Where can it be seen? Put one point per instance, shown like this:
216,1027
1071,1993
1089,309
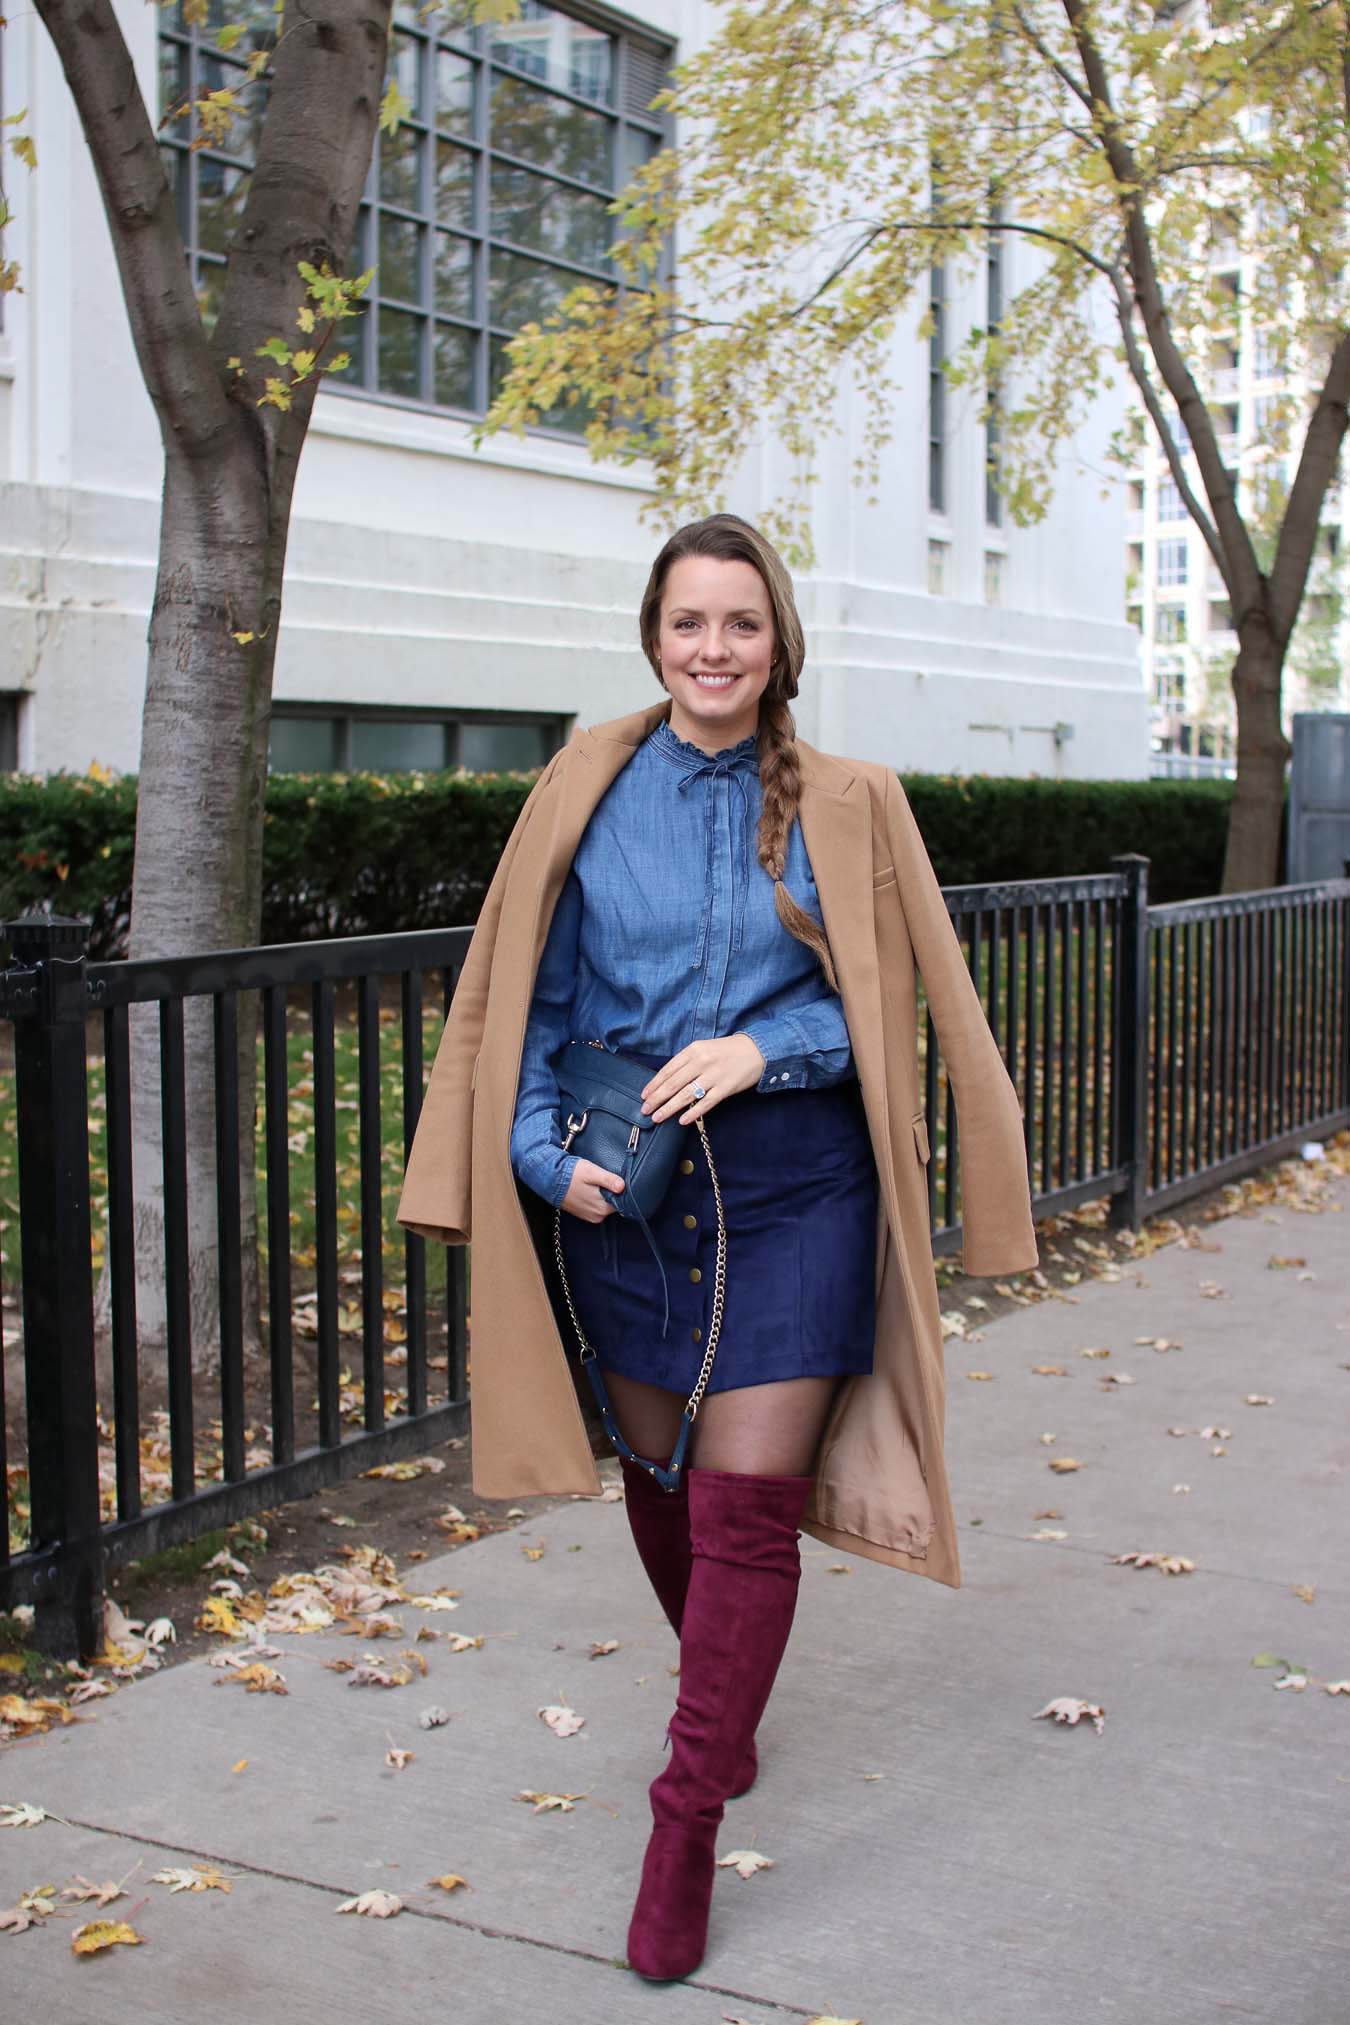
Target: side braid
781,783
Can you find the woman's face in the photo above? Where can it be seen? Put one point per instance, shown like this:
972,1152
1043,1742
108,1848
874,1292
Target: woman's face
716,644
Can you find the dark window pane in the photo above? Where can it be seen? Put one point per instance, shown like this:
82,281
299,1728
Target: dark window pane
400,362
572,417
454,275
172,78
400,272
405,68
454,356
176,172
397,747
635,148
351,338
553,47
454,93
221,196
498,748
401,168
454,185
548,217
547,130
9,734
210,288
525,291
303,745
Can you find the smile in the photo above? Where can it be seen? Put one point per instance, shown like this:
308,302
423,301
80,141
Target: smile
716,681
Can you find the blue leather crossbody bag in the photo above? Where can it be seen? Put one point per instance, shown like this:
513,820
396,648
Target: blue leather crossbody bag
602,1099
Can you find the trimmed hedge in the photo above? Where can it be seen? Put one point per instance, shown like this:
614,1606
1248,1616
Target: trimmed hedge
368,854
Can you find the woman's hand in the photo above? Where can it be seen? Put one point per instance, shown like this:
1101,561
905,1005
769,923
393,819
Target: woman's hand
722,1067
583,1197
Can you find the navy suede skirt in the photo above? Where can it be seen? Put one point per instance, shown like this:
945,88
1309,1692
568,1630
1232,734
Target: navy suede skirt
799,1192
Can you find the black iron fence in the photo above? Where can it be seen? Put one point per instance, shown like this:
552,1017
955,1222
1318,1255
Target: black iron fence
1156,1052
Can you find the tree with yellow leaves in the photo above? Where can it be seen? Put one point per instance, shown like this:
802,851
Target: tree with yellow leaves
833,152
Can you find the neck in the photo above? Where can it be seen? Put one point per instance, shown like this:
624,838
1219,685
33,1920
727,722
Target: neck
714,738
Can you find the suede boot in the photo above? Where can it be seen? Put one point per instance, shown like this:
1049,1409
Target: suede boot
738,1613
659,1522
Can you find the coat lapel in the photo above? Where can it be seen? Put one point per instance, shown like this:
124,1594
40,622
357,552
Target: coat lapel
837,831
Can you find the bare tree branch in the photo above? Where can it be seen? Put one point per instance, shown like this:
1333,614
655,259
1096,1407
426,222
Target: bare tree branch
1149,394
165,324
1302,516
1241,570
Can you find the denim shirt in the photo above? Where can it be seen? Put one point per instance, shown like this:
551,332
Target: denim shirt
665,932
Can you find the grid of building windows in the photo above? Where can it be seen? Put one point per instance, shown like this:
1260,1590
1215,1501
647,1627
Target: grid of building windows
332,738
993,317
937,391
483,208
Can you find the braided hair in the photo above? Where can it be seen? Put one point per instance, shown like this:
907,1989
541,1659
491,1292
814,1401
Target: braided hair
726,538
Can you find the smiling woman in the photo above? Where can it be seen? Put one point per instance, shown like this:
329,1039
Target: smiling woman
731,918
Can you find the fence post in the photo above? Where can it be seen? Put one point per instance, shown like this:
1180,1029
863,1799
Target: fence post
58,1309
1130,1028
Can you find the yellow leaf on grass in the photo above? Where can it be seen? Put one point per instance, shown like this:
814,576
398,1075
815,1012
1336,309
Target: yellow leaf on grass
95,1935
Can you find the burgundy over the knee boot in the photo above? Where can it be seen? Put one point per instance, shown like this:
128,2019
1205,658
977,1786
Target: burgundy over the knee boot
659,1521
737,1615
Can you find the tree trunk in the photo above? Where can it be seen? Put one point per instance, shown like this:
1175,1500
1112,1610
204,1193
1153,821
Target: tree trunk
1252,855
203,777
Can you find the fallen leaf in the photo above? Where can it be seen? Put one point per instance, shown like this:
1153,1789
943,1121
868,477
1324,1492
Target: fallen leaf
459,1641
1110,1379
1160,1342
397,1758
83,1889
1171,1564
1049,1371
979,1374
191,1879
1049,1533
1296,1681
745,1862
532,1553
1275,1264
95,1935
16,1919
1269,1659
21,1814
1046,1439
376,1905
1068,1709
602,1647
1337,1687
1257,1399
1062,1464
550,1803
433,1718
450,1882
1049,1512
1094,1353
563,1722
256,1680
1305,1591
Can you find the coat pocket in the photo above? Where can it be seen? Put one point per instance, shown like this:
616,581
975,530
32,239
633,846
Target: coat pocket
920,1124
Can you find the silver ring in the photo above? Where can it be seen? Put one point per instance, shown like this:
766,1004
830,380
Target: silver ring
698,1089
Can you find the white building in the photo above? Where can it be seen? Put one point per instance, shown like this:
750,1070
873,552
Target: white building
447,605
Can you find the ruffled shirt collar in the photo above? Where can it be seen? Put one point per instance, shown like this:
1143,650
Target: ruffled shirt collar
690,760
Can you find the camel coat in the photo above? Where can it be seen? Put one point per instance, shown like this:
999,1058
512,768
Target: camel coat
881,1486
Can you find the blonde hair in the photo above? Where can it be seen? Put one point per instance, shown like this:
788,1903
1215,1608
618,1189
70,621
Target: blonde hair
726,538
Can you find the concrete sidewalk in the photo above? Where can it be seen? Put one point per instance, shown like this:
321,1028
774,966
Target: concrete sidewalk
939,1857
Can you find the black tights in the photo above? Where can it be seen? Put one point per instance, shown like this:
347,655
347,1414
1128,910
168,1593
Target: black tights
756,1430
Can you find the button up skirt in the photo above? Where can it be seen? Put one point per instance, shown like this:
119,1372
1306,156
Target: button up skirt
799,1192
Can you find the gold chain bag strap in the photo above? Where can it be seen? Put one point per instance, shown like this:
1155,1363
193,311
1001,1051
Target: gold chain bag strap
668,1475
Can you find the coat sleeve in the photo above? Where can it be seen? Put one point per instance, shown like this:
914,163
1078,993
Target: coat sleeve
998,1232
436,1202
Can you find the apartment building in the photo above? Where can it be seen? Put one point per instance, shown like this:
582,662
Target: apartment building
447,605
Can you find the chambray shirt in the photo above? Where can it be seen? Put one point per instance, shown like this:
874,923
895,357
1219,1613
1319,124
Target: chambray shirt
665,932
